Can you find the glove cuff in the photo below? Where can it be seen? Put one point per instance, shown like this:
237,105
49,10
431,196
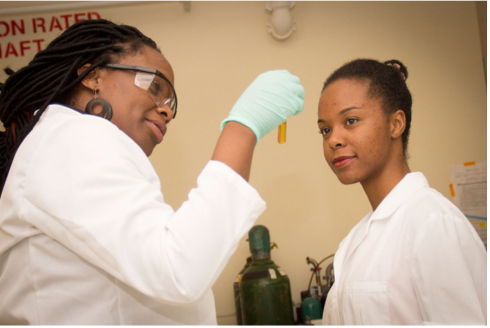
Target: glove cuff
245,122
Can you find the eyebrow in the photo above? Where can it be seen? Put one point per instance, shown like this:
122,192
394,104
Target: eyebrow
342,112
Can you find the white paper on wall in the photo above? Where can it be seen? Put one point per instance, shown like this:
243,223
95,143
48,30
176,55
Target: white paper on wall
469,191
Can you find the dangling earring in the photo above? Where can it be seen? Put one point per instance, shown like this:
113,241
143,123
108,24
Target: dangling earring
106,111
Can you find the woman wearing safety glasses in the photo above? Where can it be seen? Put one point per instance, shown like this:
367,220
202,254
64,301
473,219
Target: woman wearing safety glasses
85,234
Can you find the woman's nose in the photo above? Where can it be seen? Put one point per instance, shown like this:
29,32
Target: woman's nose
336,139
166,112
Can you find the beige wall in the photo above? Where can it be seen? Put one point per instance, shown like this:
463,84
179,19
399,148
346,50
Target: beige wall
218,48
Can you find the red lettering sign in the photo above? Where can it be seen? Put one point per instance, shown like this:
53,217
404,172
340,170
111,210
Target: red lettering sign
21,28
13,28
11,50
5,26
23,47
78,17
55,24
38,42
66,17
38,22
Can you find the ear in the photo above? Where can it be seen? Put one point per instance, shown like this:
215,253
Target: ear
398,124
89,81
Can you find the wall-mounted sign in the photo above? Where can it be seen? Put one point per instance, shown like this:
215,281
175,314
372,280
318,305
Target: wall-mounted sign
22,36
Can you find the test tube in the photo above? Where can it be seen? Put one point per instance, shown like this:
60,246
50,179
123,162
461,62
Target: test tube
281,138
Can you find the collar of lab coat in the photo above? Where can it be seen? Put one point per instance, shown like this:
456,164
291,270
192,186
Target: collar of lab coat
55,107
404,190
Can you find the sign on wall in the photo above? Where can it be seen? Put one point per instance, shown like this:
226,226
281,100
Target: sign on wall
24,37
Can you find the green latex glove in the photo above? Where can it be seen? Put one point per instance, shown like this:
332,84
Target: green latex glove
268,102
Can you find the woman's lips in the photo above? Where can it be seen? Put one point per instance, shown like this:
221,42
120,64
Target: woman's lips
342,161
158,128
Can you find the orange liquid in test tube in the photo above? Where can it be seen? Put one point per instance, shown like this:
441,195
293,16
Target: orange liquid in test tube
281,138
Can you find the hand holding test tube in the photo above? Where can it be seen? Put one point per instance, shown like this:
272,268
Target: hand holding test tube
268,102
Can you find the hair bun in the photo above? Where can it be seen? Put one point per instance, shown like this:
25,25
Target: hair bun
399,67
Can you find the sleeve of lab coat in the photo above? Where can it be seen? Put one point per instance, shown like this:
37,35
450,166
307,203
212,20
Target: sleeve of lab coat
449,272
92,189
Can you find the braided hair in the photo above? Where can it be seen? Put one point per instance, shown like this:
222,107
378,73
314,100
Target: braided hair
51,77
387,83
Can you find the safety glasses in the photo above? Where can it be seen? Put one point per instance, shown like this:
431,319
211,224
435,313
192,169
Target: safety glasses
155,83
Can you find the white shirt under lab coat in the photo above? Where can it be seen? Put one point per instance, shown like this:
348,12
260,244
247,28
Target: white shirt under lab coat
86,237
415,260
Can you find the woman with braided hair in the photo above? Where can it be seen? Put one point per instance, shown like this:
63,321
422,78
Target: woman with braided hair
415,258
85,234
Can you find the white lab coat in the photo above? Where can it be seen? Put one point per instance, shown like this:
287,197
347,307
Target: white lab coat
415,260
86,237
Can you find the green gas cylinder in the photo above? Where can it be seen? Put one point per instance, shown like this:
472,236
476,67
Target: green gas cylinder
236,292
265,291
311,309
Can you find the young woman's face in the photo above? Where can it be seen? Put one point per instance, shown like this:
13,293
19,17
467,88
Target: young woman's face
356,131
134,111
